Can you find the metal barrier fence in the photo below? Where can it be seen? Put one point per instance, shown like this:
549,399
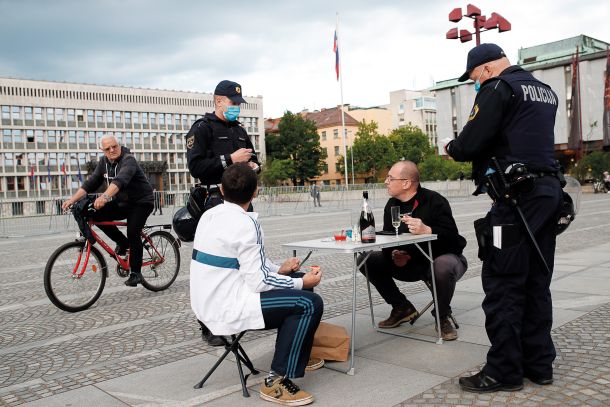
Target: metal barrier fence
43,215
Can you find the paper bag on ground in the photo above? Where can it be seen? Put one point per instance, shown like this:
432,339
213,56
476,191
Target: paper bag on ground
331,342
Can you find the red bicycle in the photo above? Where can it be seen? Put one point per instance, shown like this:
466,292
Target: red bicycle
76,273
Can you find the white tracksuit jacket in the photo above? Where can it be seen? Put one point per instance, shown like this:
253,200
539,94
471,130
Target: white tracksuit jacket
229,270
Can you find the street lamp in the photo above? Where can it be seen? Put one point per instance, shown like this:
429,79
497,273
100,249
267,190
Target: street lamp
481,23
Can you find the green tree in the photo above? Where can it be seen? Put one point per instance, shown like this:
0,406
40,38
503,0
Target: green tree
434,167
410,143
298,142
277,170
591,166
372,151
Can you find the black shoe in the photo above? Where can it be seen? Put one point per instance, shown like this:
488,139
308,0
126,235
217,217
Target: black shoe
209,337
134,279
539,380
481,383
120,250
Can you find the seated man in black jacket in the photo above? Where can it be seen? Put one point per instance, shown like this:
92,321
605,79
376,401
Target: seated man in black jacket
127,195
429,213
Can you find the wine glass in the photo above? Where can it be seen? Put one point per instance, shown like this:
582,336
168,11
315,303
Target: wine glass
395,211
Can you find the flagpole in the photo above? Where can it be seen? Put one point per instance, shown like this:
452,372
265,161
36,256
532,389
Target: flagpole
342,111
579,101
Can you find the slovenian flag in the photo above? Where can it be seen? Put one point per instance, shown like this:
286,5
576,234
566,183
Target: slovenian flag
336,51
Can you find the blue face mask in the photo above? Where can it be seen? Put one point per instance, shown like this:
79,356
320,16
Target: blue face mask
477,83
232,113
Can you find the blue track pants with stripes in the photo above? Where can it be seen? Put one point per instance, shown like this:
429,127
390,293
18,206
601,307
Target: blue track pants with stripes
296,315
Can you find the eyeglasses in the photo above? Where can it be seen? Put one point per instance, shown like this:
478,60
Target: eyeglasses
391,178
114,147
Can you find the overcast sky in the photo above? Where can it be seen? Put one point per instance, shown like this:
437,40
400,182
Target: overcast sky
281,50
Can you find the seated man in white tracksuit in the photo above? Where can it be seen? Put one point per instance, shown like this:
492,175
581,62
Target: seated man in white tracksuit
234,287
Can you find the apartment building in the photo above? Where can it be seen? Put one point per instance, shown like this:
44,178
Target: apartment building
51,132
328,123
414,108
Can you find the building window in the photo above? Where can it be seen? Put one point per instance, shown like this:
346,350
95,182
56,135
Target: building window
108,116
59,114
17,208
6,136
40,207
323,136
336,150
6,113
28,113
136,117
16,112
38,113
336,133
17,137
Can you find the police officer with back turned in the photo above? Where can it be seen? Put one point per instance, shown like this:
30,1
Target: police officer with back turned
509,138
213,143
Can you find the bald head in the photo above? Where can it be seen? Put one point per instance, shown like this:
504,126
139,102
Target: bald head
408,170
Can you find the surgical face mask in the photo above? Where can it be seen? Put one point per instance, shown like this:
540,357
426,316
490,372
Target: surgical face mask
477,84
232,113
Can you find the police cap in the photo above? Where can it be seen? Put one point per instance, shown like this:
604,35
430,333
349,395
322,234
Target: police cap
479,55
230,89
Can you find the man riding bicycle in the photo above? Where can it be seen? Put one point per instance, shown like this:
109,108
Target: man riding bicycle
128,195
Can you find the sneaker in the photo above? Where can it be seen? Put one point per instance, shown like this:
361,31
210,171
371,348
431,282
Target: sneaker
481,383
448,332
134,279
283,391
314,364
398,316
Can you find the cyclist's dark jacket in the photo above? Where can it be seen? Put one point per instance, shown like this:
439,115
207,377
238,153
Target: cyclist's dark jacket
127,175
513,119
210,142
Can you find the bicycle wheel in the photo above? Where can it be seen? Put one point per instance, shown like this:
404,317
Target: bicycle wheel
160,276
64,288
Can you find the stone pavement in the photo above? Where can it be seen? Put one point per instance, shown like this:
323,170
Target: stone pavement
140,348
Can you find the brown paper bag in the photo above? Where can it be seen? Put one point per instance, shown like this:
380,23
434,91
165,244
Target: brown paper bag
331,342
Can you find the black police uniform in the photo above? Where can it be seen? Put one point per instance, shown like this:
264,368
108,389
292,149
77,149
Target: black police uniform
210,143
513,119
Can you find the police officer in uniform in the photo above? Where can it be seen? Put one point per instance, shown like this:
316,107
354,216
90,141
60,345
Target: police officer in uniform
512,119
218,140
213,143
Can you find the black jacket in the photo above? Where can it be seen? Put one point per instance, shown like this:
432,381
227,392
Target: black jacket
210,142
126,174
434,210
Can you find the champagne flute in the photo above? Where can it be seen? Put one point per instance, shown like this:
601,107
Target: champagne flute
395,212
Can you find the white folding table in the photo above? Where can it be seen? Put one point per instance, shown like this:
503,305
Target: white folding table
355,248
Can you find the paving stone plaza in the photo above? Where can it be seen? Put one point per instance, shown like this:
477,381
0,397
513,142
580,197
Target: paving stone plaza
136,347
